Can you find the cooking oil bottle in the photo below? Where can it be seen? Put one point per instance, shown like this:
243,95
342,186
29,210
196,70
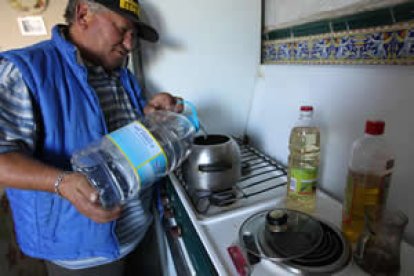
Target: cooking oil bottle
303,167
368,180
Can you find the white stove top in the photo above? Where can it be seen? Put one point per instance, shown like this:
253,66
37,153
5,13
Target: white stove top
219,230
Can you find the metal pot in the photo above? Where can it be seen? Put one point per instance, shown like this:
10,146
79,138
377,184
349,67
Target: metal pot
213,164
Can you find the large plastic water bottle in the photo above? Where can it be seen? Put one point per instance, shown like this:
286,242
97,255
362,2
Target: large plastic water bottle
136,155
304,154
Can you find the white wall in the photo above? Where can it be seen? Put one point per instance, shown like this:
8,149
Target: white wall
208,53
343,97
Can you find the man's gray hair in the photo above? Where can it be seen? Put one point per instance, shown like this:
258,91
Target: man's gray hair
70,10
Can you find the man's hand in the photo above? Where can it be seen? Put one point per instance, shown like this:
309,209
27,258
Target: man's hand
76,188
164,101
17,170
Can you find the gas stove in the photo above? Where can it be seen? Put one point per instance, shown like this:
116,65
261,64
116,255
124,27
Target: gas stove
204,228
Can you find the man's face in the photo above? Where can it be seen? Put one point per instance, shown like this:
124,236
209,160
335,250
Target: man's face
112,38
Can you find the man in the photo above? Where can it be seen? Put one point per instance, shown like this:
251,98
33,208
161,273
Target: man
57,97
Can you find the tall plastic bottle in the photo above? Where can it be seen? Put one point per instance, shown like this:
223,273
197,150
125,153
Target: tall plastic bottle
369,176
304,158
136,155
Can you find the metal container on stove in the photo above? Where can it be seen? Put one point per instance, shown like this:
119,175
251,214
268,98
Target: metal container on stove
213,164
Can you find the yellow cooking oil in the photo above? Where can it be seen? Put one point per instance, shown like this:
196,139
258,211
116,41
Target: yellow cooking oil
369,176
364,193
303,168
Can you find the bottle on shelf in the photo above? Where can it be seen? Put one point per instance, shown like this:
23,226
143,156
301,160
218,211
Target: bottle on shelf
303,165
369,175
136,155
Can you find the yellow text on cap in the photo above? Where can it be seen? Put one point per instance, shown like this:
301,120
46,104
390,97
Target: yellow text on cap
131,6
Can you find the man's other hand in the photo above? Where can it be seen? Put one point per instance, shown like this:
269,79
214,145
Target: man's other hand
76,188
164,101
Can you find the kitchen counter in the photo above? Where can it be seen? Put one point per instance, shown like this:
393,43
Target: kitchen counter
330,207
219,232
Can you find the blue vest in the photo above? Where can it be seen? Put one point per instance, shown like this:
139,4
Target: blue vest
48,226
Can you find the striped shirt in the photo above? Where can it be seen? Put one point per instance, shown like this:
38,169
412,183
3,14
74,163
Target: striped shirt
18,132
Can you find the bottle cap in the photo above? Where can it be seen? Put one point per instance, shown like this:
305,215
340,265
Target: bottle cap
374,127
306,108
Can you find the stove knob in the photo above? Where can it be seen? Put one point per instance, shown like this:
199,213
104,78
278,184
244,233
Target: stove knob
175,231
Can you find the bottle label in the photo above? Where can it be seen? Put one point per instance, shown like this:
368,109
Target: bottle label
303,181
142,150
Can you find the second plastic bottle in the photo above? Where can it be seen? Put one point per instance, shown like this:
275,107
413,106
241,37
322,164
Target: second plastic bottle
369,176
304,157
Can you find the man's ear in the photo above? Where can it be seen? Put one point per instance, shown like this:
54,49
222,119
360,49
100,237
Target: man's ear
82,14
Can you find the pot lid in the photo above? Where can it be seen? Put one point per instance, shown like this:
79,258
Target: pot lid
280,234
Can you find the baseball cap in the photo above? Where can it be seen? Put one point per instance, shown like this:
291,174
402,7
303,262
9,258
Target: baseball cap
131,9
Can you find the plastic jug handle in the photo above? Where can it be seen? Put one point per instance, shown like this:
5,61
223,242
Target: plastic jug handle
193,117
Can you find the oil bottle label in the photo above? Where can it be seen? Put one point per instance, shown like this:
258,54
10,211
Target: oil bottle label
303,181
141,149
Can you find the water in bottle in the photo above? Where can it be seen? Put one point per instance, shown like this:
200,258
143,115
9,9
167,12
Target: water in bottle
369,176
303,167
136,155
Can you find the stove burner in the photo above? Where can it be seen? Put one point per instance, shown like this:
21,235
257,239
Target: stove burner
329,250
330,253
302,235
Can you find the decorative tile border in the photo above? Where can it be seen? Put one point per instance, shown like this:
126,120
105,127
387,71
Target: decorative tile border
393,44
